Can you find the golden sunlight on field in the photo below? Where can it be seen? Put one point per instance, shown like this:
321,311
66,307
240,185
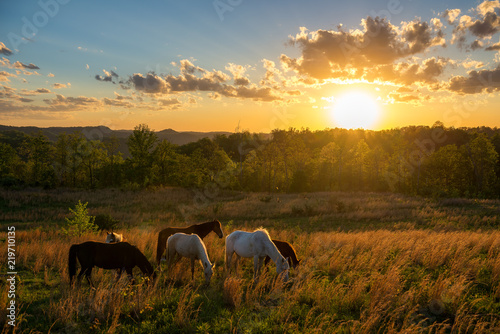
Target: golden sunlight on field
369,263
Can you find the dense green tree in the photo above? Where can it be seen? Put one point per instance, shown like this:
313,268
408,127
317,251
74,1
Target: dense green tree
141,145
111,172
422,160
38,152
75,164
445,172
330,159
484,159
93,157
11,166
62,159
167,168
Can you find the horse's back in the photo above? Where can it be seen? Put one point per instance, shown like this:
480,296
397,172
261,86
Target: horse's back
185,244
107,255
248,244
284,246
287,251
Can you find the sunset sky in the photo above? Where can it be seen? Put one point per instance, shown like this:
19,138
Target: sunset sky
250,65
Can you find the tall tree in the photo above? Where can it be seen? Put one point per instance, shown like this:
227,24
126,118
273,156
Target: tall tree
93,156
484,159
39,154
111,172
11,165
141,144
77,172
62,159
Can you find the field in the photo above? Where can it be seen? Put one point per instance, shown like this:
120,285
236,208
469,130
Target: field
371,263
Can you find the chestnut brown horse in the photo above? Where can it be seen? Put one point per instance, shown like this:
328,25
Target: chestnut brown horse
119,255
287,251
201,230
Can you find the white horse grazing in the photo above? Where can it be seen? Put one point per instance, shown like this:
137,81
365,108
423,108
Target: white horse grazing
192,247
113,237
258,245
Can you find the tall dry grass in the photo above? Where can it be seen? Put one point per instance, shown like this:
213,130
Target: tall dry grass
380,263
363,282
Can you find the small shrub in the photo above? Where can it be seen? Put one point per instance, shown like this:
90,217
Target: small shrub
105,222
81,222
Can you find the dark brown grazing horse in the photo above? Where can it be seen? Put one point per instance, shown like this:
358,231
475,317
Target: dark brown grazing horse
201,230
287,251
107,256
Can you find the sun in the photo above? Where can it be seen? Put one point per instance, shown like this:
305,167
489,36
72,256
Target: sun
354,110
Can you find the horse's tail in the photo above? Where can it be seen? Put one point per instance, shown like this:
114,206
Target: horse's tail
72,262
160,248
293,257
167,255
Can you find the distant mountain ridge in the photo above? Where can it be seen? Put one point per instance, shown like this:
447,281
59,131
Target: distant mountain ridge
103,132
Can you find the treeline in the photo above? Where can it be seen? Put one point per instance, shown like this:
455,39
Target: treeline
429,161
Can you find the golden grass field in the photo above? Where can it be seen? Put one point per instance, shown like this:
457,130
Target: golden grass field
372,263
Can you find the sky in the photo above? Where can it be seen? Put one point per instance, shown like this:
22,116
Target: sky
237,65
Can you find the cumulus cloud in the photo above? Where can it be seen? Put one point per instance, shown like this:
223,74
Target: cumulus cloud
193,78
469,63
419,36
486,26
4,76
477,44
108,76
451,15
402,98
59,85
487,7
484,23
74,103
30,66
5,50
35,92
122,97
407,73
117,103
476,82
238,72
43,90
494,47
151,83
338,54
169,102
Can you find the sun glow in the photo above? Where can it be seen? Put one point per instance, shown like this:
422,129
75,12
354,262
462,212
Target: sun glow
355,109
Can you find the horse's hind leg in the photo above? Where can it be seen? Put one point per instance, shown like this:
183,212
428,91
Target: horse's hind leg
88,273
236,261
229,257
256,266
118,274
80,274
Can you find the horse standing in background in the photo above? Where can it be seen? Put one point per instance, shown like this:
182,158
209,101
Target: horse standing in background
192,247
288,252
119,255
112,237
199,229
258,245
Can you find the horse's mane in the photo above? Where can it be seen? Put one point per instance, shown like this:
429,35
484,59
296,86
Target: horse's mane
205,223
261,229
